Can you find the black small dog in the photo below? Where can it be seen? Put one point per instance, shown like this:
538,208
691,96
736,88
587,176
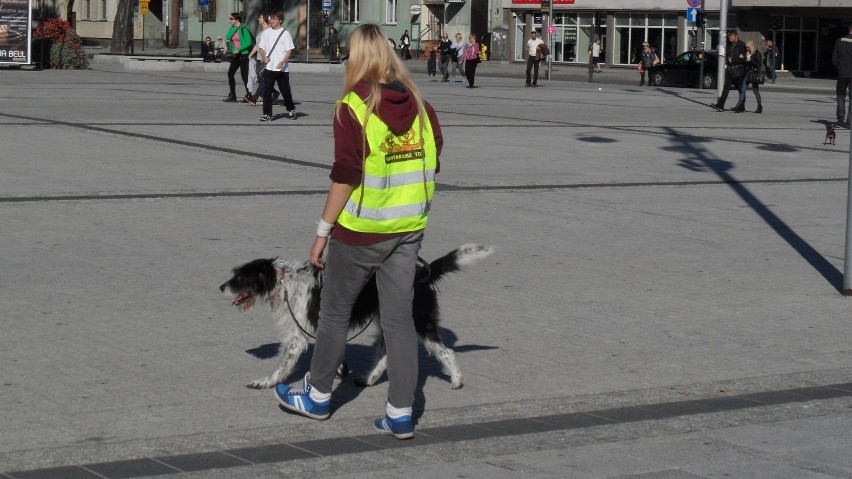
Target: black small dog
292,290
432,64
829,134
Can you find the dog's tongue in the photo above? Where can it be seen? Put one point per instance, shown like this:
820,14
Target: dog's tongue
240,298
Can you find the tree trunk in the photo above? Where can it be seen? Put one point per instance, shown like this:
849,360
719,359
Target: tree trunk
122,28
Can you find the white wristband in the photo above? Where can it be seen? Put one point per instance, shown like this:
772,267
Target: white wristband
323,228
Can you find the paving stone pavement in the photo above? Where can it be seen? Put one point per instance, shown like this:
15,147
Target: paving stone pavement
663,303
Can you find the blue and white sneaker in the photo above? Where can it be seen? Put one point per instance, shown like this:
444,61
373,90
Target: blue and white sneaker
401,428
299,400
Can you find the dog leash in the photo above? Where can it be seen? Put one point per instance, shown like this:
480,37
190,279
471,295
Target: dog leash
306,333
293,315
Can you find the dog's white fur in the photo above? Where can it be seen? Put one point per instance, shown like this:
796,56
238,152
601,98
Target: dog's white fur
296,281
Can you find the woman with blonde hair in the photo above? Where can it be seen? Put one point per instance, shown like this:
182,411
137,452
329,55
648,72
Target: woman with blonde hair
386,146
754,73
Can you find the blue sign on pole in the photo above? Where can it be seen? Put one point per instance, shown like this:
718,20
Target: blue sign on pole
327,6
693,3
692,14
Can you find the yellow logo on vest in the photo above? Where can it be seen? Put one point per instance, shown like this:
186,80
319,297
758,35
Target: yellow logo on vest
403,147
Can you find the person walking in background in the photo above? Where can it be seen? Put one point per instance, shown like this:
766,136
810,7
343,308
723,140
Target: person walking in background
276,48
458,48
258,65
596,53
772,59
374,231
405,46
333,43
647,59
754,73
241,43
533,59
734,73
842,60
445,48
471,60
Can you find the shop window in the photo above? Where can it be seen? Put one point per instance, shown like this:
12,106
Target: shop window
797,42
573,36
660,30
809,51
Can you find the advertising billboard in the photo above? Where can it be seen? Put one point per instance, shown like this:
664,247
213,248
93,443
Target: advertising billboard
15,29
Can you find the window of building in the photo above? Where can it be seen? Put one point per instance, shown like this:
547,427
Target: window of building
390,11
208,12
797,42
520,37
350,11
103,9
574,35
633,29
87,10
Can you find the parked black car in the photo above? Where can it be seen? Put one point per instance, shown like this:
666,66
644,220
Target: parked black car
684,70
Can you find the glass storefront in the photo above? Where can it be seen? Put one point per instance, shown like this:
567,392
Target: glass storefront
797,41
574,32
574,35
632,29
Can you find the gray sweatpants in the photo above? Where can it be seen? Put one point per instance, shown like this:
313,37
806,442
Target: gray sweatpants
347,269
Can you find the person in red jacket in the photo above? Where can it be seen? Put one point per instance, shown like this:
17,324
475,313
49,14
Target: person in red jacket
386,146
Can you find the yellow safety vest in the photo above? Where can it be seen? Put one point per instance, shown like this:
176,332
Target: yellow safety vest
399,176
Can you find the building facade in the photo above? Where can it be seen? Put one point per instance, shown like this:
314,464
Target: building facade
805,30
184,23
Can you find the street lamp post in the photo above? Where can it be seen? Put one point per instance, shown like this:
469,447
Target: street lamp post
847,267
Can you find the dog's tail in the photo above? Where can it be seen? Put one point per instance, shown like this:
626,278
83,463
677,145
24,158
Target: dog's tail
454,261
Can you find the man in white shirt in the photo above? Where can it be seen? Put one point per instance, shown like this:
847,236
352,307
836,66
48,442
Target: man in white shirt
533,58
276,47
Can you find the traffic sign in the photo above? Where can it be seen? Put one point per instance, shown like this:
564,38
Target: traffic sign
551,29
143,7
327,6
693,3
692,14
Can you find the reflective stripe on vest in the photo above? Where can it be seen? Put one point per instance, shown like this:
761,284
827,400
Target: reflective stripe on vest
399,176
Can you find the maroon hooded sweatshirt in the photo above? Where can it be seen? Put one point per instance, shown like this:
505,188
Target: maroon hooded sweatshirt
398,110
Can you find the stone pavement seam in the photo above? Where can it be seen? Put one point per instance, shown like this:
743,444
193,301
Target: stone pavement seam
462,432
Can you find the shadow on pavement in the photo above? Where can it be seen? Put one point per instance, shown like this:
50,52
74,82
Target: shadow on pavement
703,160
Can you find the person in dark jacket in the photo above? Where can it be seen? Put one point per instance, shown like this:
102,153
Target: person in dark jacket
842,60
208,53
333,43
735,73
444,48
772,59
754,75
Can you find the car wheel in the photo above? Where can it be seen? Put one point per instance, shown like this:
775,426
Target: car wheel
709,81
657,78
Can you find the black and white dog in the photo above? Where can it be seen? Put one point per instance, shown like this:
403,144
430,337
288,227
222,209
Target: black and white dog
292,290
